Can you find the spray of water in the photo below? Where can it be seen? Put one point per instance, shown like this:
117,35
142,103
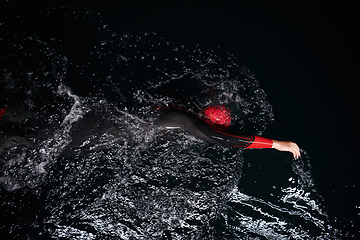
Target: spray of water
110,173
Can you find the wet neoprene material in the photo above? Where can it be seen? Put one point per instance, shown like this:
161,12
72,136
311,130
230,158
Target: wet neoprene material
198,128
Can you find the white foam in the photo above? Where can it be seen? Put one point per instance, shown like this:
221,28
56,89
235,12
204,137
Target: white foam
53,146
72,233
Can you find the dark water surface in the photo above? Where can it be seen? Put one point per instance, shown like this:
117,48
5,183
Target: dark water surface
80,159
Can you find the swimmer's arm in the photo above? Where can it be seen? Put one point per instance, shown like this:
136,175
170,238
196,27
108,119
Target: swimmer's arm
287,146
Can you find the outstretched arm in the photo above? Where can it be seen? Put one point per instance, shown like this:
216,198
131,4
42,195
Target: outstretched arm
195,126
287,146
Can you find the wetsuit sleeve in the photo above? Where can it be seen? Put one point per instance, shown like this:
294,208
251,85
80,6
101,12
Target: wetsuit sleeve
237,139
261,142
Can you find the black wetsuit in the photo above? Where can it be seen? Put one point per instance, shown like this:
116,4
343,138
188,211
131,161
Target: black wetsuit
198,128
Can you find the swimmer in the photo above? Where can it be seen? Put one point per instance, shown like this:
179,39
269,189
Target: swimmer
211,127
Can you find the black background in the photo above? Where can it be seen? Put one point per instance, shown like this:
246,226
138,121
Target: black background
305,55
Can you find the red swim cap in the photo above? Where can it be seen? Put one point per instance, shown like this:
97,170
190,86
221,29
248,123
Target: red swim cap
217,116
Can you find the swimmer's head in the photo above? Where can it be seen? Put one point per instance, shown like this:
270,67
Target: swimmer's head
217,116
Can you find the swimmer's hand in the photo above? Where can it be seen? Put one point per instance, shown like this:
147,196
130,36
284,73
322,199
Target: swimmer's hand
288,147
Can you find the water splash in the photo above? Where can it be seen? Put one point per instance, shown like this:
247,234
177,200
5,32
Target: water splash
109,173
